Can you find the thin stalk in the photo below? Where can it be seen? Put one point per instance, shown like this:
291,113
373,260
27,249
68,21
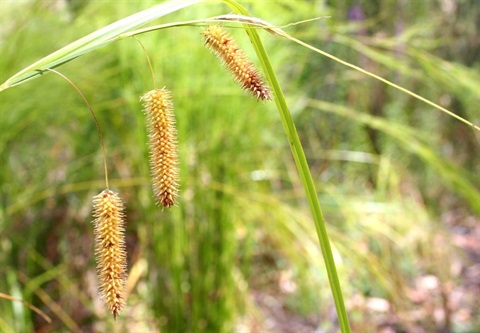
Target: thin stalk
303,170
148,60
94,119
30,306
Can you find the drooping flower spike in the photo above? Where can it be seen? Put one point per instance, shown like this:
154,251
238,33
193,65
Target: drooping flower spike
109,228
236,61
158,108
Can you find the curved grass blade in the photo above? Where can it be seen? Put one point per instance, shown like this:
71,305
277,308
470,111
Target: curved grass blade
95,40
396,86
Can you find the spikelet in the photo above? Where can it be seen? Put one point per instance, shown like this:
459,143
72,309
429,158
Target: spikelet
235,60
158,108
110,249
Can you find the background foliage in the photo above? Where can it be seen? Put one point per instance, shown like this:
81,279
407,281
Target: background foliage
399,180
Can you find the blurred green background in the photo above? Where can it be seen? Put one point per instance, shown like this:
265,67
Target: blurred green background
397,179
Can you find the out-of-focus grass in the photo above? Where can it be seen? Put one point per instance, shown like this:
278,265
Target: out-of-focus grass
242,227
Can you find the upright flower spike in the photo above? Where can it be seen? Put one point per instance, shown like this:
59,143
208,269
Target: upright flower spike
158,108
235,60
109,227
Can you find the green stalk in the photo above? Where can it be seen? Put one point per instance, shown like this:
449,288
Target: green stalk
303,170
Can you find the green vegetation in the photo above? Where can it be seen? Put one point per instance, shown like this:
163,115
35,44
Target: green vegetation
395,177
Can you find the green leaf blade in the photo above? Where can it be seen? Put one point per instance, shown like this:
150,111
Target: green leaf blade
95,40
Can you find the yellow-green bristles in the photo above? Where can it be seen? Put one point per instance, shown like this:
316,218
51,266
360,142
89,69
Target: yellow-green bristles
158,108
110,249
236,61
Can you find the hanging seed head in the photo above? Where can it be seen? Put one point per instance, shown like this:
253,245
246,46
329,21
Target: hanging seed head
235,60
110,249
158,108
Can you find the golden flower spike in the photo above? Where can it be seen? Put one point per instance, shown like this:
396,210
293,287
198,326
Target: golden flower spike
235,60
158,108
110,249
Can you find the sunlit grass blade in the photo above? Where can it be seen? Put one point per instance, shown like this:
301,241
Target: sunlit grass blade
95,40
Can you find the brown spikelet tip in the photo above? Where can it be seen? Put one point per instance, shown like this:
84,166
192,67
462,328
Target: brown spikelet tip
158,108
236,61
109,227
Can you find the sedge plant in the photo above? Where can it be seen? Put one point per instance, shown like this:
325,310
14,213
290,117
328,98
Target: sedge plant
124,29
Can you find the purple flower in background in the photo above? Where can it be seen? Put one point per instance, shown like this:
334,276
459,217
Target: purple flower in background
356,13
